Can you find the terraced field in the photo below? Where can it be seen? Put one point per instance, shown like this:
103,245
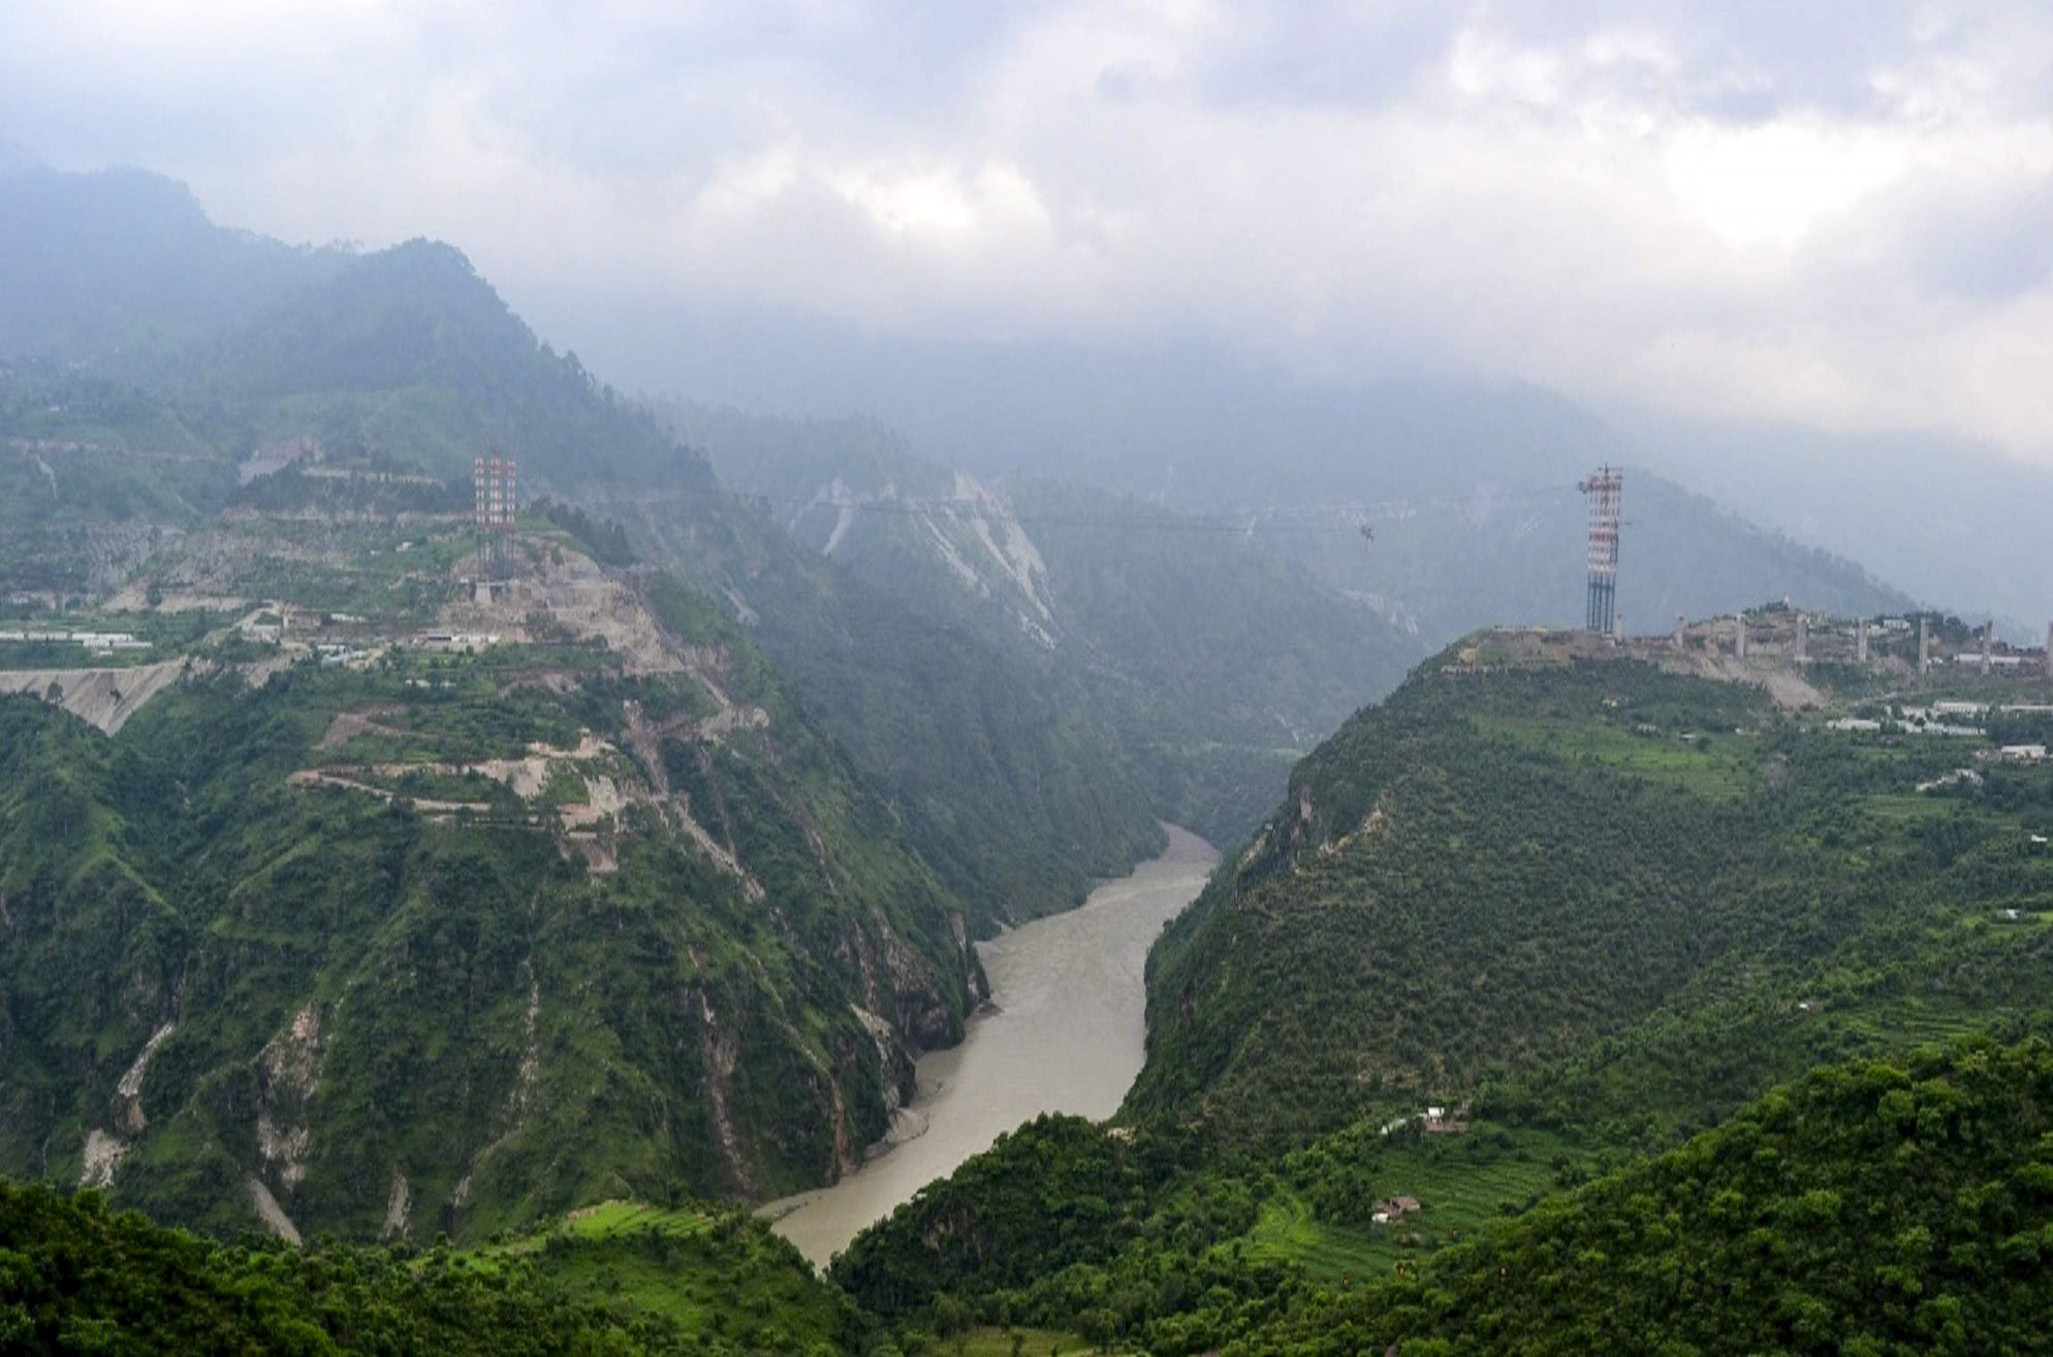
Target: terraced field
1288,1232
1458,1181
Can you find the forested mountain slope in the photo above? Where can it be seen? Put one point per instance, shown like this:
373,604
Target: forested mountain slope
396,368
77,1276
370,386
122,268
1880,1207
1526,857
1213,660
1873,1208
452,936
408,354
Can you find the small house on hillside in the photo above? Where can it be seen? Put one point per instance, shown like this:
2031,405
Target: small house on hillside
1446,1120
1395,1208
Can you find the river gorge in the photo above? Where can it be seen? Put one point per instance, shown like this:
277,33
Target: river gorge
1064,1032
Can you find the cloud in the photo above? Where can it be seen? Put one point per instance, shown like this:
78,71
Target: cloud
1831,213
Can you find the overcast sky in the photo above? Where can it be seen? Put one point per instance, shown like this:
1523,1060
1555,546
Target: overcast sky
1838,212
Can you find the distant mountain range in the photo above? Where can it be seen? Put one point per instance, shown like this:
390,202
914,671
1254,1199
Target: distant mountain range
1200,430
1950,521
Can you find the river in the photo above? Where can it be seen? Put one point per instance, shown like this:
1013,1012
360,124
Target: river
1064,1033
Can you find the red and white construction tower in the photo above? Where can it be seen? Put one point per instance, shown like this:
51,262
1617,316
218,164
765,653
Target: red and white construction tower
497,483
1604,493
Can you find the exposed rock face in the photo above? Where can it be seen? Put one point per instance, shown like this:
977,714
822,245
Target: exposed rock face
288,1070
103,1151
129,1091
104,697
270,1212
922,1007
102,1157
893,1061
397,1207
722,1053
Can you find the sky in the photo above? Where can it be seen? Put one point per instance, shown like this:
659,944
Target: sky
1836,213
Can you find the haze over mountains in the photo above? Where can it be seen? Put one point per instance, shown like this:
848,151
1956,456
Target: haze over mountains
1189,427
1195,427
1469,491
647,872
533,749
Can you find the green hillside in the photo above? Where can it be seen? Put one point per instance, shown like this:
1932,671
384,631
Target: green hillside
408,354
1876,1207
456,938
1881,1207
77,1276
1595,892
1550,910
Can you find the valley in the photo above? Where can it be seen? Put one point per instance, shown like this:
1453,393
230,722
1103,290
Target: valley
1549,914
510,763
1062,1031
534,923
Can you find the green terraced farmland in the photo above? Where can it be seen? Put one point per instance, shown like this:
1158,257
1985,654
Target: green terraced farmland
1287,1231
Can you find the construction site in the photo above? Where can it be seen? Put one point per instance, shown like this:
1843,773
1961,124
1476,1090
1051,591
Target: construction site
1786,638
455,584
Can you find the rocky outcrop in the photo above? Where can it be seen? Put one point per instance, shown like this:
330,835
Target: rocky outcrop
288,1071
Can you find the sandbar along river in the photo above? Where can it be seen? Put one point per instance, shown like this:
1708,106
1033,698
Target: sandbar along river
1064,1034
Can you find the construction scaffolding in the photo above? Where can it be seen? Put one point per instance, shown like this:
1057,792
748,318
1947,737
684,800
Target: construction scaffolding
496,481
1604,493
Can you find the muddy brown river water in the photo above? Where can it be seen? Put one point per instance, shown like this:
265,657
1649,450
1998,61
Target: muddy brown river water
1064,1034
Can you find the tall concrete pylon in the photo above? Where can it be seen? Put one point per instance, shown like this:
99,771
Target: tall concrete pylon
1924,644
1860,640
1604,493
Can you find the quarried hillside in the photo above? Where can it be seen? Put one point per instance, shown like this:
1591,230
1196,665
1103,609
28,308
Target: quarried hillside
448,926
